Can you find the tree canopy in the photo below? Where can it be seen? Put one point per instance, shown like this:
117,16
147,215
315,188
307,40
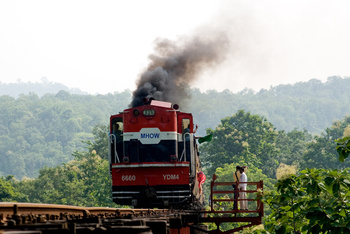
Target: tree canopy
37,132
243,136
315,201
84,181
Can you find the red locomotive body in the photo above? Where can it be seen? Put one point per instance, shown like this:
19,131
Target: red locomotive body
154,159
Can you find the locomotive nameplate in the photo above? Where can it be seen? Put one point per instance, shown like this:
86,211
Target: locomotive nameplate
150,136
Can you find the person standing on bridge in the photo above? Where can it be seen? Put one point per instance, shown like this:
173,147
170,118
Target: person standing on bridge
201,179
242,188
236,176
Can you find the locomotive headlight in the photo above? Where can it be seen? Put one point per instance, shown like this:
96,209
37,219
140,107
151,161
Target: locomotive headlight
148,112
125,159
173,158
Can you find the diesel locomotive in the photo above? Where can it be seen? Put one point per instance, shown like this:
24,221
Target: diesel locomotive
154,158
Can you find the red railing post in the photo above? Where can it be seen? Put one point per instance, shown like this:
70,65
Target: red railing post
261,203
211,192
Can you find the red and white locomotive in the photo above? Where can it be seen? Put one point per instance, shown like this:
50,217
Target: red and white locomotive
154,159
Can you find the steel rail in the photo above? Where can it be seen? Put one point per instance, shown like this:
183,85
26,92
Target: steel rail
12,208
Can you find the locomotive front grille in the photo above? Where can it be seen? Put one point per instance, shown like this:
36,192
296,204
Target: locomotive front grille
156,196
173,194
181,191
168,197
124,194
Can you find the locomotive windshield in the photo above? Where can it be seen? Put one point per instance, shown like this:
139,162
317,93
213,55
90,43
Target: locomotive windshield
117,129
160,152
116,138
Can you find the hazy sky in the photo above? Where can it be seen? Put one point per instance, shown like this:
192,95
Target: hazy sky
103,46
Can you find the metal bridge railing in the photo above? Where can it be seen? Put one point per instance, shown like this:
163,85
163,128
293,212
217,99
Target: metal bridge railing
222,202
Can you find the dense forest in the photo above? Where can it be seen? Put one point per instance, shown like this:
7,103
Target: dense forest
311,105
54,149
37,132
45,131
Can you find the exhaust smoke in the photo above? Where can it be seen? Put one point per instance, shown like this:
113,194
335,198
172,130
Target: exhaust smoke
175,64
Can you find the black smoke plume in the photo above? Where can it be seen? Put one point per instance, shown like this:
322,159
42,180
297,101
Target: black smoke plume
174,65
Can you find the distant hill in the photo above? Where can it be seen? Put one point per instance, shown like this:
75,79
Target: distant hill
40,88
313,105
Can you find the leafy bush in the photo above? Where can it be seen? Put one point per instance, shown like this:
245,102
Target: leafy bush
315,201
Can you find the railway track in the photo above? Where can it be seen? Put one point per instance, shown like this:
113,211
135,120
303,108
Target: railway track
48,218
33,218
9,208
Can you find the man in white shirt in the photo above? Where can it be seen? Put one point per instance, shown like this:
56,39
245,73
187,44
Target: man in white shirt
242,187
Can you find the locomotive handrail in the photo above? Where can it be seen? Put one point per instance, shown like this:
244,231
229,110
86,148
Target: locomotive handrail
116,156
109,149
182,156
184,152
193,157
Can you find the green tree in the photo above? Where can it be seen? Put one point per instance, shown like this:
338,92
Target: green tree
45,131
7,192
100,144
321,152
242,137
316,201
84,181
343,148
292,146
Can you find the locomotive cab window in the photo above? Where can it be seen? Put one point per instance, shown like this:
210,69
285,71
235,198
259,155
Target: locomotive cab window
117,139
186,127
117,130
186,130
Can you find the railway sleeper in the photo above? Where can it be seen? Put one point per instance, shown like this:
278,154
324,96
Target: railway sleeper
87,225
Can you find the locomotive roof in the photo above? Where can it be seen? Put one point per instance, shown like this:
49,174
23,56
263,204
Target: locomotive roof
154,103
